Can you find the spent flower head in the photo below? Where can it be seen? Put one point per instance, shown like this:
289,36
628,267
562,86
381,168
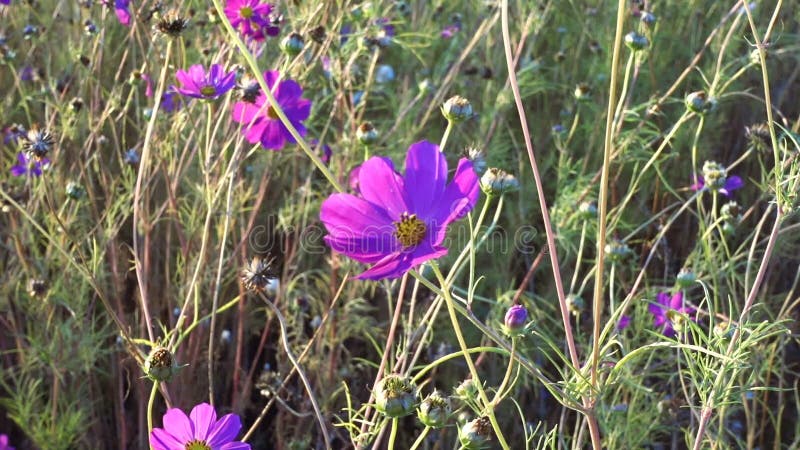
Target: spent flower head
475,434
497,182
38,142
258,274
171,24
160,364
457,109
434,410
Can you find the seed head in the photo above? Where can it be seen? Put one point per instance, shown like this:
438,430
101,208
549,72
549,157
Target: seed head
475,434
171,24
497,182
434,410
457,109
160,364
258,274
395,396
38,142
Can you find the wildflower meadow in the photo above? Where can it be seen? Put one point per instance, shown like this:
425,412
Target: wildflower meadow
416,225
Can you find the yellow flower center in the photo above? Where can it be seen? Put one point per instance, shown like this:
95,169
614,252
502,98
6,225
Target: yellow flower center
410,230
208,91
246,12
197,445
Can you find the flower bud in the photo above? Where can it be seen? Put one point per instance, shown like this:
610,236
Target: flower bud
75,191
636,41
395,396
457,109
575,304
583,92
496,181
587,210
515,320
384,73
160,365
425,86
366,133
724,329
731,212
476,433
617,250
292,44
700,103
648,18
478,159
434,411
686,277
467,390
714,175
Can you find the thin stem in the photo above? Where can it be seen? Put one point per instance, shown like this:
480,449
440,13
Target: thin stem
608,148
548,227
137,192
473,371
446,135
393,434
420,438
300,372
498,396
150,404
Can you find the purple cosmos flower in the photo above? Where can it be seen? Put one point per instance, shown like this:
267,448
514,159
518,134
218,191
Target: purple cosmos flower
732,183
667,312
324,153
199,84
122,12
261,122
450,30
623,322
3,438
252,18
28,166
12,133
399,222
200,431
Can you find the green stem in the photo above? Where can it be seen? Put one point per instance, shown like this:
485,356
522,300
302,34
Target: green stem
473,371
498,396
150,404
446,135
421,438
393,434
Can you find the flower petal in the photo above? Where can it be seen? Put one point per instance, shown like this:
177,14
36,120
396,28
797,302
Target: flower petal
380,184
732,183
426,176
160,439
178,425
224,431
203,418
237,445
391,266
273,136
450,206
676,301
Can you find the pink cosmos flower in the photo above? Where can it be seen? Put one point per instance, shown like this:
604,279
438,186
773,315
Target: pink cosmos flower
399,222
200,431
199,84
252,18
667,311
261,122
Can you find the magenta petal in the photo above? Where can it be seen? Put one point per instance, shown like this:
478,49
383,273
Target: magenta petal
425,252
368,249
123,16
273,136
381,185
224,431
178,425
346,215
391,266
732,183
699,183
426,176
203,417
450,206
288,90
162,440
237,445
18,170
676,301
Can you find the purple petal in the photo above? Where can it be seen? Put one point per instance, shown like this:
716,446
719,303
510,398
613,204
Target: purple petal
381,185
426,176
123,16
287,91
663,299
732,183
658,314
392,266
224,431
699,183
623,322
272,136
425,252
465,185
203,418
676,301
346,215
237,445
160,439
668,330
178,425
